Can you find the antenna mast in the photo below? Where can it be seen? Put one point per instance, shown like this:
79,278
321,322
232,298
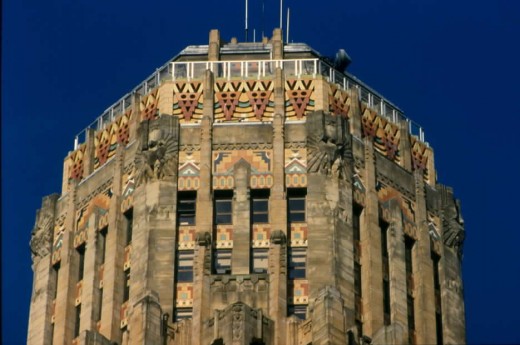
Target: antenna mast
246,19
281,14
288,15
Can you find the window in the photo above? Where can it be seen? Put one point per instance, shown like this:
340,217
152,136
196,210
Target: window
99,305
184,266
260,206
408,246
222,261
223,207
259,260
126,288
56,269
186,206
81,262
438,308
299,311
182,313
77,321
386,271
297,262
296,205
129,219
102,242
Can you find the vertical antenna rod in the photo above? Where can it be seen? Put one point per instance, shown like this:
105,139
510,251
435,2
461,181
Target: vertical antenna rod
281,14
246,19
288,15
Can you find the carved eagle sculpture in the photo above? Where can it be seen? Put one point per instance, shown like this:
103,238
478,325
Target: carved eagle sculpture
155,160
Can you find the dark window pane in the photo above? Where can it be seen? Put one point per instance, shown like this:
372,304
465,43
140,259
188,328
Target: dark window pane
299,311
186,208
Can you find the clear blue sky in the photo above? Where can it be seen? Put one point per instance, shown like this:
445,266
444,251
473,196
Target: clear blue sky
452,66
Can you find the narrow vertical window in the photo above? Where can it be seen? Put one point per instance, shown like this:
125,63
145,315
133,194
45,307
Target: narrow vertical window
81,261
386,271
259,260
56,269
184,272
222,261
186,206
297,261
260,206
438,305
99,305
223,207
356,234
408,245
126,289
296,205
102,243
129,220
77,321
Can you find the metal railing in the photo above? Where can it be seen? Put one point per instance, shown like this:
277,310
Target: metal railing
258,69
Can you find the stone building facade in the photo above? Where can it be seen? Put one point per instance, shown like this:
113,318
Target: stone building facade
249,193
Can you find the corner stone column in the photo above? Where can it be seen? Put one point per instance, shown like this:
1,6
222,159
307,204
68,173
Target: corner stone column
371,260
423,269
328,320
113,276
278,284
240,257
40,330
201,289
67,279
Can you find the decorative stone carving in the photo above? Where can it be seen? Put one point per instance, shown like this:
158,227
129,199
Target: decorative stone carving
203,239
159,141
452,221
329,145
278,237
42,234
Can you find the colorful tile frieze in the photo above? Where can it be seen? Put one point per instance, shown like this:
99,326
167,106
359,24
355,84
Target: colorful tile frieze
259,160
296,168
148,106
184,295
187,101
75,163
298,236
189,170
244,100
339,101
299,98
186,238
298,291
224,236
261,235
107,140
385,134
421,157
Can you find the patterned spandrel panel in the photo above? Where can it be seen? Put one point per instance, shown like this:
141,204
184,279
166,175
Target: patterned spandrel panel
339,101
244,101
385,134
189,170
186,238
75,166
421,158
148,106
298,235
224,236
299,98
298,291
261,235
107,139
187,101
59,231
128,254
184,295
224,163
296,168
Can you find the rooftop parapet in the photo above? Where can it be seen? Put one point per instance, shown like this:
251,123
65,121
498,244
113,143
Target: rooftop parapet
192,63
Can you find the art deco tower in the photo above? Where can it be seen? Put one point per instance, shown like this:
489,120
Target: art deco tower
249,193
